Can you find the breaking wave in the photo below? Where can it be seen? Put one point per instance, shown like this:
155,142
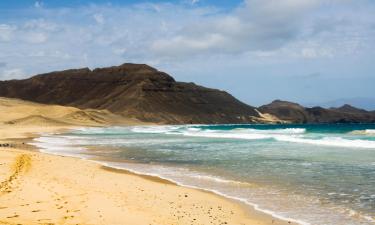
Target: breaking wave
292,135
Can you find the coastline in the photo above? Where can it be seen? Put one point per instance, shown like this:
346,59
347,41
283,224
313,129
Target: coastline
148,199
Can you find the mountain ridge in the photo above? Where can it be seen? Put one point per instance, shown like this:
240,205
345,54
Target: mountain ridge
296,113
141,92
366,103
132,90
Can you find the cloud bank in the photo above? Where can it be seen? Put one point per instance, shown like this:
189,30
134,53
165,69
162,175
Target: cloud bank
256,38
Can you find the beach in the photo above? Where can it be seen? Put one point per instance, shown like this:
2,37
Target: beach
308,174
64,165
187,112
39,188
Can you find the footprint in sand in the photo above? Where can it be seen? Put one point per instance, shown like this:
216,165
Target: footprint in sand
14,216
43,219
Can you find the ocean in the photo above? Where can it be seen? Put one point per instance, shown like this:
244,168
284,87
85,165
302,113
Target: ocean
309,174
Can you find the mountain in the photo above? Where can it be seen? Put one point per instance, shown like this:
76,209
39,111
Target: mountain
142,93
348,109
296,113
287,111
359,102
134,91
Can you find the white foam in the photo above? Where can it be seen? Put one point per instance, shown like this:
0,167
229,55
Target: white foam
217,134
280,136
273,131
293,135
370,131
242,133
329,141
155,129
218,179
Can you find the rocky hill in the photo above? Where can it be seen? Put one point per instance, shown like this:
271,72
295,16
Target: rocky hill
134,91
143,93
296,113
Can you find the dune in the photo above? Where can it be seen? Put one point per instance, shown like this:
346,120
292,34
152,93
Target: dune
14,109
22,119
25,113
39,120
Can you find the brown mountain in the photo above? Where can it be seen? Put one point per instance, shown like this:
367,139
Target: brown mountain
349,109
132,90
286,111
141,92
295,113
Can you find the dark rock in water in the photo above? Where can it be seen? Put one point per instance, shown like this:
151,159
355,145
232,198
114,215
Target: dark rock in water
296,113
132,90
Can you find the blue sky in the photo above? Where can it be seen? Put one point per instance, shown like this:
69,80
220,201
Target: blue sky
11,4
308,51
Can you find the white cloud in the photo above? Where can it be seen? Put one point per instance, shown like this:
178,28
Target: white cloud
193,2
12,74
177,36
6,32
258,25
99,18
35,37
38,4
39,24
316,53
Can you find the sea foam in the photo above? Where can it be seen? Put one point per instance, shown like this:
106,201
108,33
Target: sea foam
369,132
196,145
292,135
330,141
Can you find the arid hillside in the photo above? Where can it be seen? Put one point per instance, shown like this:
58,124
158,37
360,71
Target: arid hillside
134,91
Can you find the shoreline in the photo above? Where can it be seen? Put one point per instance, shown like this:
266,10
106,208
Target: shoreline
154,177
254,215
158,178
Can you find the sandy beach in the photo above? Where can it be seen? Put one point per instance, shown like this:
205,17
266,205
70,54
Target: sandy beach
37,188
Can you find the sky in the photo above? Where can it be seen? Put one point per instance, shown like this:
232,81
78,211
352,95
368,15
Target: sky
306,51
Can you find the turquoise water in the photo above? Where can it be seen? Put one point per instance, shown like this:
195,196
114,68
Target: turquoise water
311,174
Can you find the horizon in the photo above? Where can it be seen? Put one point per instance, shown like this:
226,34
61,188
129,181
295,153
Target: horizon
307,51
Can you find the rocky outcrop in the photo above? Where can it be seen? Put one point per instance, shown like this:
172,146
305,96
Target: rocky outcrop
296,113
132,90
